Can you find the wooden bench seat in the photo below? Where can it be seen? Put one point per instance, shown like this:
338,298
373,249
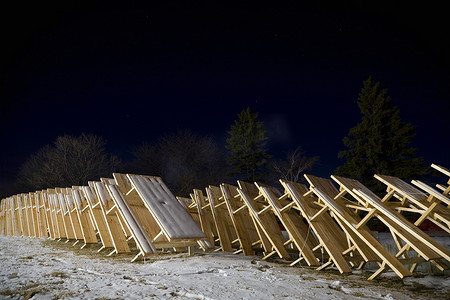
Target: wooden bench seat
414,200
267,224
405,234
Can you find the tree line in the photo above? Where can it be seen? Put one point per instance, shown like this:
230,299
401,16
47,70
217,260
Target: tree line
380,143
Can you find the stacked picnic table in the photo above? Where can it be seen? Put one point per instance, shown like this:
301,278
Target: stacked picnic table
324,224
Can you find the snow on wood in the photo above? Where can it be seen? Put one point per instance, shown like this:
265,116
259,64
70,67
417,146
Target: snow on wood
317,226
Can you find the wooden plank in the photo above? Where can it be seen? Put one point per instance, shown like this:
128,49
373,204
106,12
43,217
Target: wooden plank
413,236
83,212
73,215
149,226
294,225
403,188
16,219
41,215
143,218
97,216
185,202
113,224
266,221
23,213
331,238
326,185
432,191
165,208
417,239
242,221
252,191
13,219
27,214
138,232
58,219
6,203
64,211
127,232
430,207
51,215
441,169
206,218
34,212
221,219
9,212
123,183
12,222
3,217
366,236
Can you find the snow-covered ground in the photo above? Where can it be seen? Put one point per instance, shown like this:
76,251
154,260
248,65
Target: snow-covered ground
44,269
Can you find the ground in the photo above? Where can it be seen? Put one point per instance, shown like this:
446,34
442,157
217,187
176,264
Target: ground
45,269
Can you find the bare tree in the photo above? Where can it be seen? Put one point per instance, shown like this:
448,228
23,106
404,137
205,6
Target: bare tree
147,160
38,171
184,161
295,164
69,161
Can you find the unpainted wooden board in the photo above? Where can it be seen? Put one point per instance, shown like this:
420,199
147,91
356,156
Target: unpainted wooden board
34,209
206,218
3,217
57,212
41,215
432,192
48,215
16,219
52,213
415,237
252,191
64,211
97,216
331,237
141,237
293,224
73,215
222,221
14,228
428,207
325,184
172,218
242,220
113,223
83,212
141,216
366,236
265,219
409,233
27,215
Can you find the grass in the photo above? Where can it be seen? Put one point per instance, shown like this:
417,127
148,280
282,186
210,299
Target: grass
27,292
8,292
91,251
59,274
360,295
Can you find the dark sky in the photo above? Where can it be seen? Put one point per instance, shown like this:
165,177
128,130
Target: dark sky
132,72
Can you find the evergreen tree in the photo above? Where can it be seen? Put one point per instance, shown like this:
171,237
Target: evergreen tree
246,143
380,143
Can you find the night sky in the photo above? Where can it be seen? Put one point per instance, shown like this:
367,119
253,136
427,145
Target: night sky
132,72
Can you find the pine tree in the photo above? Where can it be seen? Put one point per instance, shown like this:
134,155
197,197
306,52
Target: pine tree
380,143
246,143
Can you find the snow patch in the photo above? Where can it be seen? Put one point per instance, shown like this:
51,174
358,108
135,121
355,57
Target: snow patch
47,269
